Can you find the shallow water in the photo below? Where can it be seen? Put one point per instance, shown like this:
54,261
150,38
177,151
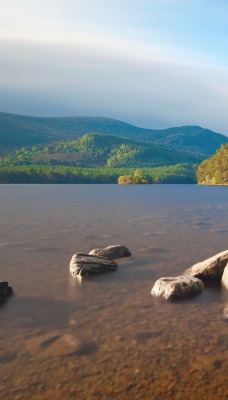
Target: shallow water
108,338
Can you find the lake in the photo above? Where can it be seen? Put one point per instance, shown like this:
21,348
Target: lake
108,338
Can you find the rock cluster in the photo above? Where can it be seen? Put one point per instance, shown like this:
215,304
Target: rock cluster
5,291
213,269
97,261
192,281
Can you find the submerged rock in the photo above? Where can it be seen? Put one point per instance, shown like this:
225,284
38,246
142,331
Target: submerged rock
177,287
85,264
54,344
225,277
210,269
112,252
225,313
5,291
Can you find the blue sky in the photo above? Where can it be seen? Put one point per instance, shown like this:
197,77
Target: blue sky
153,63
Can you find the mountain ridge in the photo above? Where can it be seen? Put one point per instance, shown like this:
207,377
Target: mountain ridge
21,130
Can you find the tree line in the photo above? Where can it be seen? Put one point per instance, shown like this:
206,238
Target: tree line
180,173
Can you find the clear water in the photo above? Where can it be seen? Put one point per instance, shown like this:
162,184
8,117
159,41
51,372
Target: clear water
124,344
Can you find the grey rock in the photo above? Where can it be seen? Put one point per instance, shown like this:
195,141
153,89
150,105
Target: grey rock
210,269
225,313
5,291
112,252
177,287
85,264
225,277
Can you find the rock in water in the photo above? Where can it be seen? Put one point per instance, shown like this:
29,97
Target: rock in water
210,269
225,313
111,252
225,280
177,287
85,264
5,291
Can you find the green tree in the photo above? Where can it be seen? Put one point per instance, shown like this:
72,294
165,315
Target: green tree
214,170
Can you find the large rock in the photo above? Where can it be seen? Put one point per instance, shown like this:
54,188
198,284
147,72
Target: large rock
177,287
210,269
225,313
112,252
5,291
225,277
85,264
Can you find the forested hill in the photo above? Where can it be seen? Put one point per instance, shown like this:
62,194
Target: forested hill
17,131
96,150
214,171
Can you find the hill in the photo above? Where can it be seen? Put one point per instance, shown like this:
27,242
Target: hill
18,130
96,150
214,171
193,139
21,130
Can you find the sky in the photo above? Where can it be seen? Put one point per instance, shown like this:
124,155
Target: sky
152,63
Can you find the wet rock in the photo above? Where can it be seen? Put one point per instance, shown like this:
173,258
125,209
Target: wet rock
177,287
225,277
210,269
5,291
85,264
112,252
225,313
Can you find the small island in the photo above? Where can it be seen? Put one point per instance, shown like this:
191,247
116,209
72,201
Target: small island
139,177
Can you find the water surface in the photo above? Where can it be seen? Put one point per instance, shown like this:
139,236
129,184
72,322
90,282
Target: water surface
125,344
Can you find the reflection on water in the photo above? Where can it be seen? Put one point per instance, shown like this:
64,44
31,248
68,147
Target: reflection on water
107,338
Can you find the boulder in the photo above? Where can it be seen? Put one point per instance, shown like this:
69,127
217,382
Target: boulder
225,313
111,252
177,287
85,264
5,291
225,277
210,269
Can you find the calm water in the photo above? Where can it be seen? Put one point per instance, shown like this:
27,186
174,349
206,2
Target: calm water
108,338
